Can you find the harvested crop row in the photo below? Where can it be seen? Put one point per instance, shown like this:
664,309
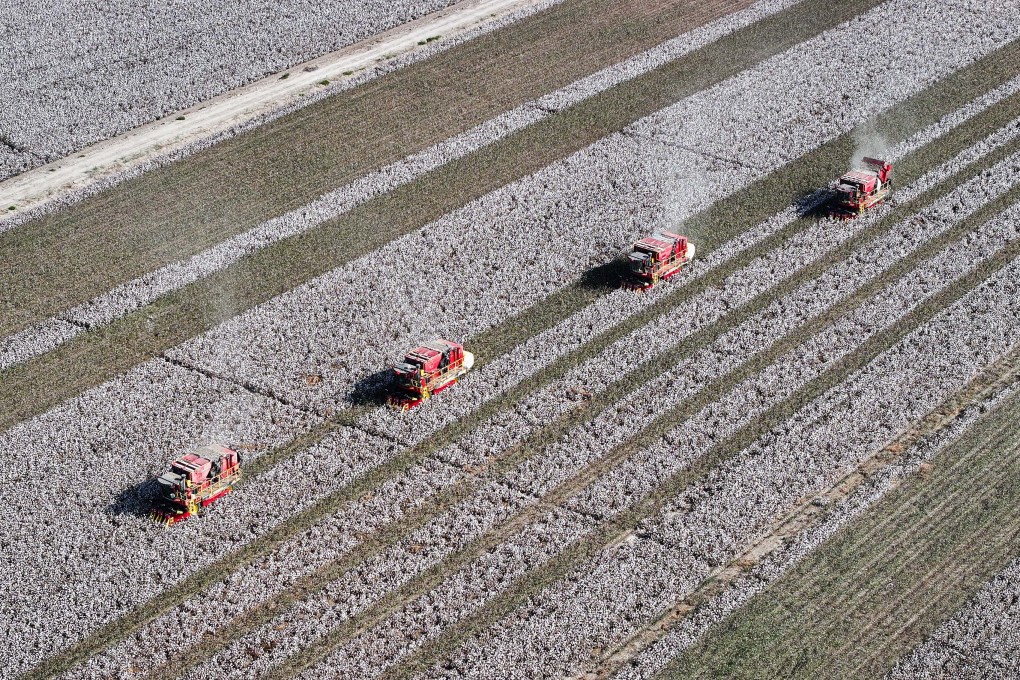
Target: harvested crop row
702,527
127,297
231,661
402,493
567,217
891,576
188,615
982,640
667,644
514,477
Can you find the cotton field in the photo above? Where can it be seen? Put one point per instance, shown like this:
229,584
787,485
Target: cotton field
626,483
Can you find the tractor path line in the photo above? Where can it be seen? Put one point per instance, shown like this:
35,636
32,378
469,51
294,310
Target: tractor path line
114,156
102,310
545,576
814,510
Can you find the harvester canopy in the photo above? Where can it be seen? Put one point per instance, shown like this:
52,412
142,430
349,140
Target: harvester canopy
194,481
427,370
655,257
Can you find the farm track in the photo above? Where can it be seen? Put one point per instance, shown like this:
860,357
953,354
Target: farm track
29,388
32,387
67,258
889,578
809,515
364,487
611,530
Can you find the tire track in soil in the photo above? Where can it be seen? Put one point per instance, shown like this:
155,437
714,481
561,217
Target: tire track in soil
945,499
435,575
548,434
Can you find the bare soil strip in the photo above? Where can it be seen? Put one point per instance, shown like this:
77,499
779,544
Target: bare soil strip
815,509
611,530
69,257
906,119
883,584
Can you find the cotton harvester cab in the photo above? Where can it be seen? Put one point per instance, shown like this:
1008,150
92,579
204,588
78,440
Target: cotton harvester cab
860,189
427,370
194,481
657,258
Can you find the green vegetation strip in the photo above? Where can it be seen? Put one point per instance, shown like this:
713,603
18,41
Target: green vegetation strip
174,212
760,200
884,583
986,386
610,530
91,358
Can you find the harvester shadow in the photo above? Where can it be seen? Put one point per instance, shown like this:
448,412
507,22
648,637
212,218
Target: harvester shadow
814,205
137,500
371,390
605,276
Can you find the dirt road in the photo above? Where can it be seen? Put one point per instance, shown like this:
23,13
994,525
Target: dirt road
219,114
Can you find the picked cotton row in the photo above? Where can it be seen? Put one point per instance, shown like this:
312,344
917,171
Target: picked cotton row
710,523
689,630
982,640
215,607
87,73
210,611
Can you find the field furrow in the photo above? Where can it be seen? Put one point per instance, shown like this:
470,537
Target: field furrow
931,543
515,476
816,519
979,641
440,502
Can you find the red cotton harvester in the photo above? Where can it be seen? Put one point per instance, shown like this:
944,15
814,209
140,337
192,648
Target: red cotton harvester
194,481
657,258
427,370
861,189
